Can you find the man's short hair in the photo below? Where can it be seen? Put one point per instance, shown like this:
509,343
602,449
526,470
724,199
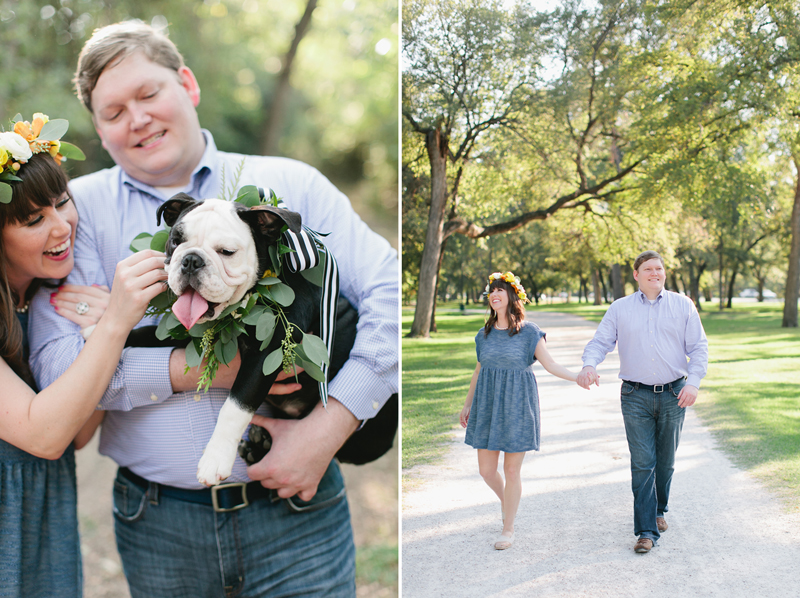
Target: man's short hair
110,45
646,256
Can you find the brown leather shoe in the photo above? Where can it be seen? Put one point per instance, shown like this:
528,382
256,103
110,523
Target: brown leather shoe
661,524
643,545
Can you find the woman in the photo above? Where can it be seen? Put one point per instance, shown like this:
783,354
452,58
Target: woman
39,547
501,412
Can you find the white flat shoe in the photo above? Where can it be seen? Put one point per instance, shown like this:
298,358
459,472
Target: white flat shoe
503,542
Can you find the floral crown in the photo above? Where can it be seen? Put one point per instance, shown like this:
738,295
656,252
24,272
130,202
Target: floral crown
513,281
19,145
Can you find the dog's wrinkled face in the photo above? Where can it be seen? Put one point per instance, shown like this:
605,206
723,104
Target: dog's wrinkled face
212,260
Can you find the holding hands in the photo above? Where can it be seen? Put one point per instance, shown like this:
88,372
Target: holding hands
587,377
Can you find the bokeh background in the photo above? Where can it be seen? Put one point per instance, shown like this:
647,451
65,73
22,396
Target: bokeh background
315,81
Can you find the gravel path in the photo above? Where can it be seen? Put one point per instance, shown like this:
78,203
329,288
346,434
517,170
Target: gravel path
574,530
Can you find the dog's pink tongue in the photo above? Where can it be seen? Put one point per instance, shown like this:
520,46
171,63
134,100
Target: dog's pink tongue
189,307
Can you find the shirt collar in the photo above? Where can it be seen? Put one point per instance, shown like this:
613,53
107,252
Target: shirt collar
199,174
643,298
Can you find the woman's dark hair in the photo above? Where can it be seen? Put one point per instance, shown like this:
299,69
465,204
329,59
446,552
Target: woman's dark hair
515,312
42,181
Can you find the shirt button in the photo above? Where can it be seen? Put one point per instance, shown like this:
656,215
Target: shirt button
153,397
196,398
376,405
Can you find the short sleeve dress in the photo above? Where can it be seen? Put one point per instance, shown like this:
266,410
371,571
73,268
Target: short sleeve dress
505,407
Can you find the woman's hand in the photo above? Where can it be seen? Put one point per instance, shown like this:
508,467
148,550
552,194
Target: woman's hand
465,415
67,298
138,279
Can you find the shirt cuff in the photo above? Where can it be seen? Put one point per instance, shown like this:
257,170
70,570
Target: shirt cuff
145,379
360,390
694,380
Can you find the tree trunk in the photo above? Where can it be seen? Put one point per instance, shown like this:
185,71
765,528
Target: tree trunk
596,286
731,282
436,291
436,145
616,281
277,107
721,274
603,285
793,272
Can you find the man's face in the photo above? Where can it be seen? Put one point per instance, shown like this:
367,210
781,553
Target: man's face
145,115
651,276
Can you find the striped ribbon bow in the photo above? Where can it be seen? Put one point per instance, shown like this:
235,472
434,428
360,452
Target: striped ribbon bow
306,248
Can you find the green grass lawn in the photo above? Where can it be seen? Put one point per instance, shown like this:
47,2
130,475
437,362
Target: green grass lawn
750,398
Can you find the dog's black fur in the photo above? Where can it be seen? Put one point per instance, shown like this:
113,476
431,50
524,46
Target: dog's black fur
251,386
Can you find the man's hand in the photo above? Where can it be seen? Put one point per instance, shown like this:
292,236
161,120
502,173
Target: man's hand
302,449
687,396
588,376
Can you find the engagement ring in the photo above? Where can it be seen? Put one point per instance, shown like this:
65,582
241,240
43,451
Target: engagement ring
82,308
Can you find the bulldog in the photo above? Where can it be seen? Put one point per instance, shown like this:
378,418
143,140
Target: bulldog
215,253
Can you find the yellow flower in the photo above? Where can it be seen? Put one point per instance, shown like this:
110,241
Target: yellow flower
3,158
55,146
269,274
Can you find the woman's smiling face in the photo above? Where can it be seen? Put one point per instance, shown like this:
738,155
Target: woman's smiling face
41,245
498,299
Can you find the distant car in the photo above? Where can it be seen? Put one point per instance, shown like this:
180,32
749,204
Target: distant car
753,293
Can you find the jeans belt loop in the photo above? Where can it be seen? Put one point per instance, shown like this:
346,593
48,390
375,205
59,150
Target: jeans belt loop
215,500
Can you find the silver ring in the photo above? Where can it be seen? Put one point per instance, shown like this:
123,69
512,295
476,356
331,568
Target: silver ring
82,308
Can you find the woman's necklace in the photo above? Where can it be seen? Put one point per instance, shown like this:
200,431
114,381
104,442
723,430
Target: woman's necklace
498,327
23,309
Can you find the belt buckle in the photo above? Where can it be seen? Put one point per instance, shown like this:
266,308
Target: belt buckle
658,388
214,499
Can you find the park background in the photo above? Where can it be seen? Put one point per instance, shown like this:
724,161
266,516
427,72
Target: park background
315,81
561,139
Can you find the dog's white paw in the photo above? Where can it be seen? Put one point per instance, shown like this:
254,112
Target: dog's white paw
216,463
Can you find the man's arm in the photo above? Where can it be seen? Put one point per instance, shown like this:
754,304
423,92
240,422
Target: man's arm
603,341
696,348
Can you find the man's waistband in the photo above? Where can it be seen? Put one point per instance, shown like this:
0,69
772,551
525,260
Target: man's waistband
656,388
224,497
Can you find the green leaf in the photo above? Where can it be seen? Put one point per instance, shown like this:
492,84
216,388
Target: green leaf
159,242
248,195
53,130
198,330
71,152
315,275
313,370
229,351
193,358
275,259
315,349
141,242
163,300
265,327
269,280
229,310
162,330
251,319
284,249
5,193
224,336
283,294
272,361
17,118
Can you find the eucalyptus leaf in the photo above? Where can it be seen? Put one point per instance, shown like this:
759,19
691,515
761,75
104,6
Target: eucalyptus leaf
272,361
141,242
162,330
248,196
193,358
229,351
225,336
163,300
282,294
251,319
315,349
269,280
159,242
53,130
71,152
313,370
5,193
275,259
315,275
198,330
265,327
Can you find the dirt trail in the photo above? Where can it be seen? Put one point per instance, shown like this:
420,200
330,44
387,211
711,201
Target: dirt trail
574,532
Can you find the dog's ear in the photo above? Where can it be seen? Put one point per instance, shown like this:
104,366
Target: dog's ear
174,207
268,220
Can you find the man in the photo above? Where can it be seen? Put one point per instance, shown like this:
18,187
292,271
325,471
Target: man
656,331
172,540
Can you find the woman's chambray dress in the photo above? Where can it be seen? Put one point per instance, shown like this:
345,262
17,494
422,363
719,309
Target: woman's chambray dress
505,407
39,545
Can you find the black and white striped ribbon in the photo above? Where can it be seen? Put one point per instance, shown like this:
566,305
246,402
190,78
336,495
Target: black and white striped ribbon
307,247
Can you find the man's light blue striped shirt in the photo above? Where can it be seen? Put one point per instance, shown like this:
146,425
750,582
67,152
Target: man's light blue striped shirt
654,340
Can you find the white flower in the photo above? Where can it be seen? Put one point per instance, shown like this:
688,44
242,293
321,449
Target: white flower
16,145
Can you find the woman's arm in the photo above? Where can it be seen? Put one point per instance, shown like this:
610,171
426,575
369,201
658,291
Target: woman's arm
44,424
548,363
470,394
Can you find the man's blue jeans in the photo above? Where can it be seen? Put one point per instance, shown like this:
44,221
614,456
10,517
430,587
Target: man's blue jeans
653,424
171,548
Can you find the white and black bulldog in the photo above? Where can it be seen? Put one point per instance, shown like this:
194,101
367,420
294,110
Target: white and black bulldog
216,252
